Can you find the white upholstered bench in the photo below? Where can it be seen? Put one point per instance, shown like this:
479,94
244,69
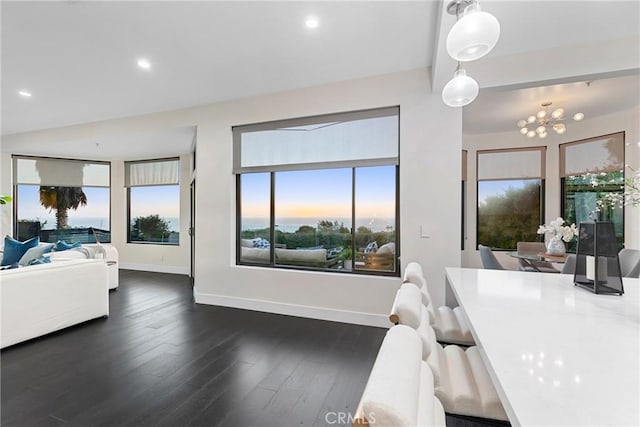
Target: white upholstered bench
462,382
400,391
450,324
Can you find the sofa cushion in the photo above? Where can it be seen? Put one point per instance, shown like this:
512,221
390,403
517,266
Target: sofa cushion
61,245
35,253
247,243
254,255
14,249
284,256
75,253
387,249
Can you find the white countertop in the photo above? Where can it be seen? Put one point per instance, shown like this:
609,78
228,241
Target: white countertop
557,354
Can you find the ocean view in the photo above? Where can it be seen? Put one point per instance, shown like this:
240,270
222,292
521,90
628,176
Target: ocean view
97,222
290,225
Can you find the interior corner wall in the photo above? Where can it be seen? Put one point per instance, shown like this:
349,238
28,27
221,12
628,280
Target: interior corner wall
626,121
6,211
430,144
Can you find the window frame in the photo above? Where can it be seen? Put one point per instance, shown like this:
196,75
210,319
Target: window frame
463,199
128,188
543,161
15,197
239,171
562,169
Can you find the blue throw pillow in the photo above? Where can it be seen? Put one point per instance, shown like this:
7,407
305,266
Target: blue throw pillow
9,267
61,245
41,260
14,249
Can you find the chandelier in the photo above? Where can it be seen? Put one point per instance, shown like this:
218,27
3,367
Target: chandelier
539,123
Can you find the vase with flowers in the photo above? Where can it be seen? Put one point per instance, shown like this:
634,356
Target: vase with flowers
556,233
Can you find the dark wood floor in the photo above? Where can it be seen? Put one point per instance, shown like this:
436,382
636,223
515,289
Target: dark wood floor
160,359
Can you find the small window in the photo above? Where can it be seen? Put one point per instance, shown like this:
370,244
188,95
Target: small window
153,192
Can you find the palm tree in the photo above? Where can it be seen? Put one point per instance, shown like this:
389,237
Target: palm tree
62,199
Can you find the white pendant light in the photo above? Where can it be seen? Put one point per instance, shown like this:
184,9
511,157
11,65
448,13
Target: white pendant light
474,34
460,90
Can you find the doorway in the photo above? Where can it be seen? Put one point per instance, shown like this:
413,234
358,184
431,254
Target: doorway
192,229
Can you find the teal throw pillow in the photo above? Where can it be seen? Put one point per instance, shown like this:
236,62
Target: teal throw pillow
41,260
61,245
15,249
35,253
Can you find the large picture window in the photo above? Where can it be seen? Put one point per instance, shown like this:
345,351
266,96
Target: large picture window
61,199
510,196
153,192
589,170
319,193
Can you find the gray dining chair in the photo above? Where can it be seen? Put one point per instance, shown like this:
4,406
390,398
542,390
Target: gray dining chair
489,260
569,266
629,262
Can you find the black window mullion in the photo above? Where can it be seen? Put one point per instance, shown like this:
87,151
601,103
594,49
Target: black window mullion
353,219
272,220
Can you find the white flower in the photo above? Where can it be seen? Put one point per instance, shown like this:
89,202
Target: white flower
556,230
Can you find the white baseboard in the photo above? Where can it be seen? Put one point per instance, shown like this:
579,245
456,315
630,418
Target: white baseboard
172,269
334,315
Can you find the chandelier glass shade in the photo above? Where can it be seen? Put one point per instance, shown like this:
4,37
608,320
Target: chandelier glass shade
540,123
460,90
474,35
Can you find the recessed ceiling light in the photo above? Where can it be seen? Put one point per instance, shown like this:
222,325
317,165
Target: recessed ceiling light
311,22
24,93
144,64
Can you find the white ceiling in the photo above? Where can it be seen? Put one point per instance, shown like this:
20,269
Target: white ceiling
498,110
79,58
130,146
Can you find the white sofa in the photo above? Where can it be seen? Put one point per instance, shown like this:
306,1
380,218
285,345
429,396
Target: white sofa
87,251
40,299
299,257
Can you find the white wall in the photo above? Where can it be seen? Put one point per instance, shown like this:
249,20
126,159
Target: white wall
430,135
621,121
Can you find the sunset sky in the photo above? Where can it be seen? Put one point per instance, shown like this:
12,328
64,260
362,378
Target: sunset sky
163,200
324,193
